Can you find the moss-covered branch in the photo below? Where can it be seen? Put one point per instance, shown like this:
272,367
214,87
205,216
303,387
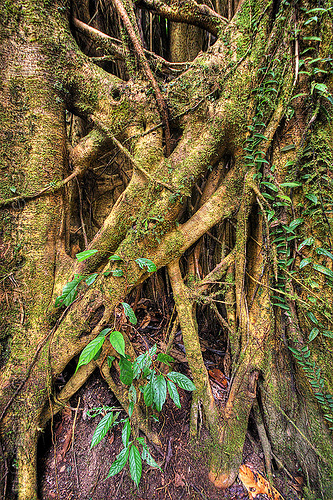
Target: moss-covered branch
189,12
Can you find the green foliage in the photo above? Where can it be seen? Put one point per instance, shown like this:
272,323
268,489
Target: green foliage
85,255
90,351
294,256
69,292
143,262
151,382
313,374
143,370
129,313
107,422
118,343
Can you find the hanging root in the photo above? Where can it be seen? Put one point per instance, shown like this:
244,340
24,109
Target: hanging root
203,394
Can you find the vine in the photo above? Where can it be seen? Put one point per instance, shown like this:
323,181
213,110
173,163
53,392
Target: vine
290,252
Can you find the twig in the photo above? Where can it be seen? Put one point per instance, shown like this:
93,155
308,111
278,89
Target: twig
75,417
73,451
51,188
86,243
130,157
76,470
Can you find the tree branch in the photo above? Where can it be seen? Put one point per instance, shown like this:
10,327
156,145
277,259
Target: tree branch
114,47
189,12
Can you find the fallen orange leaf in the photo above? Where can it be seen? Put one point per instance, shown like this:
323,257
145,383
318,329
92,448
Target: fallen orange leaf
256,484
219,377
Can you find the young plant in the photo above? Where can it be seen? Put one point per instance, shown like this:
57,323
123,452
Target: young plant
142,376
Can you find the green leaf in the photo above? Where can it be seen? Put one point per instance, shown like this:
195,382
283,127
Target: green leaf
313,334
102,428
118,343
172,389
304,262
307,242
142,262
130,409
270,214
328,333
288,148
321,87
159,391
90,351
323,270
295,351
69,292
119,463
323,251
165,358
270,186
295,223
126,371
299,95
117,273
110,360
290,184
105,331
282,306
85,255
284,197
126,432
132,394
91,279
261,160
146,455
148,394
260,136
115,257
129,313
135,464
312,197
268,196
317,9
312,317
312,38
181,380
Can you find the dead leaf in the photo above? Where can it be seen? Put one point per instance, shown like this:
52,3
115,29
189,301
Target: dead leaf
299,480
219,377
179,480
67,441
256,484
111,438
145,322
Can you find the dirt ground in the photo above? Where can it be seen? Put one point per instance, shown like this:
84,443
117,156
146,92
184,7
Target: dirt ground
71,471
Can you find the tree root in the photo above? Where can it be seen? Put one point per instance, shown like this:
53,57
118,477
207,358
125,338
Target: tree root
203,393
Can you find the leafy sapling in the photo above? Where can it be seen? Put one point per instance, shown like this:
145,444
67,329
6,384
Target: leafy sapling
146,382
142,374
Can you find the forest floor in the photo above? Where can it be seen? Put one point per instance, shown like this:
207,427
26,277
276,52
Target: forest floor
69,470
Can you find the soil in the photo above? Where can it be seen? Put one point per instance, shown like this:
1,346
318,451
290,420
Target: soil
70,470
